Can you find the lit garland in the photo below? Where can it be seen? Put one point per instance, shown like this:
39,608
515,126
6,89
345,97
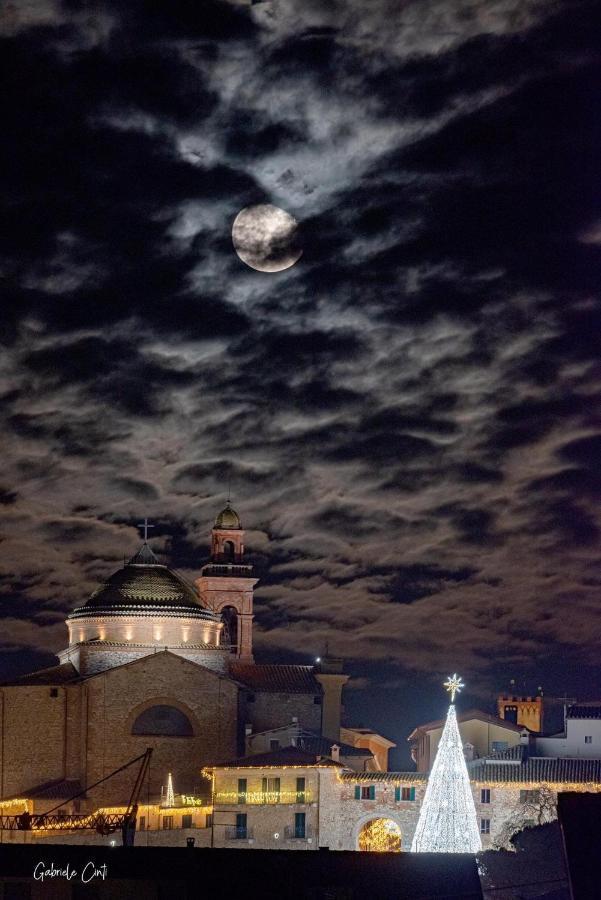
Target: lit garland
263,797
17,801
190,800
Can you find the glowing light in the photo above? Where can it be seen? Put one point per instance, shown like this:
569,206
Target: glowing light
263,797
453,685
447,820
170,798
380,836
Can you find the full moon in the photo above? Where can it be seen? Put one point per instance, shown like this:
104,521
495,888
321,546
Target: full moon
265,237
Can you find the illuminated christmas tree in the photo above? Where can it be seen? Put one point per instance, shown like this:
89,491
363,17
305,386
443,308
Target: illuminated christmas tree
170,799
447,820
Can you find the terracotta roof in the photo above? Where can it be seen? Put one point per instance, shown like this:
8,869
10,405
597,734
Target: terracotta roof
276,679
465,717
539,770
54,675
390,777
63,789
287,756
313,743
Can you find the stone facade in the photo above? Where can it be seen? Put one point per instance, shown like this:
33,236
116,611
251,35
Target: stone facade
340,803
85,729
264,710
270,817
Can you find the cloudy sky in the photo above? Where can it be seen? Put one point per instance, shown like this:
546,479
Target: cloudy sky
408,416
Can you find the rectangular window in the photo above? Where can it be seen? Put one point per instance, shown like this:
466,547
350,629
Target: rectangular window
529,796
498,746
368,792
54,692
485,795
484,826
142,823
270,788
300,790
408,793
588,739
187,821
167,823
299,825
241,829
510,714
274,744
242,790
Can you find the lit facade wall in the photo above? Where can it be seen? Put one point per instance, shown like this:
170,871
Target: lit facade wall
159,630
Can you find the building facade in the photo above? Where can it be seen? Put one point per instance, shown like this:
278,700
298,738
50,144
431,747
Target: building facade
155,662
259,801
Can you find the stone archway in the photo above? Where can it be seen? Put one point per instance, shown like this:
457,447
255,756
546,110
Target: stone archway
380,835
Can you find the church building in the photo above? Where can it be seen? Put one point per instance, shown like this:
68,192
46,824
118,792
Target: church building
153,661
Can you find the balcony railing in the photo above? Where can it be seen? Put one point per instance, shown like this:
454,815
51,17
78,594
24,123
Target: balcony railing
262,797
294,833
233,833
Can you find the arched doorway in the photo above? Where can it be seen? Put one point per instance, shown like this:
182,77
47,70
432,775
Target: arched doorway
380,836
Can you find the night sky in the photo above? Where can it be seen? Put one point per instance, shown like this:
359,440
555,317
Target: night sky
408,417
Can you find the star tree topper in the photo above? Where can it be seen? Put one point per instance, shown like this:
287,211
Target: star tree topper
453,684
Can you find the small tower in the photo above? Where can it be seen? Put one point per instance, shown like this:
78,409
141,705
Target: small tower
526,711
226,583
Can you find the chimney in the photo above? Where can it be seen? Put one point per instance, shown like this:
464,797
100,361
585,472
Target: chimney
332,679
248,730
335,752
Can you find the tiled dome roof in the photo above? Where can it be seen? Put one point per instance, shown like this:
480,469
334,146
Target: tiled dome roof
143,585
228,518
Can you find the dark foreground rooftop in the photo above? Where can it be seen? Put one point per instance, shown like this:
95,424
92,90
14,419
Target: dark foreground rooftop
156,872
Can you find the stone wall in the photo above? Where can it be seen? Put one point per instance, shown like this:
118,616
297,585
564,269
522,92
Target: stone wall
342,816
116,697
33,725
271,710
267,823
89,659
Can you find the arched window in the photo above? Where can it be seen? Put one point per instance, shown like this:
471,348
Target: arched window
229,633
229,551
163,720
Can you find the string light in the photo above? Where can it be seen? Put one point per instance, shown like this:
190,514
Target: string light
447,820
170,798
262,797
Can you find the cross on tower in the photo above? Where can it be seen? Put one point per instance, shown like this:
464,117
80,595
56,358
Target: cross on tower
145,526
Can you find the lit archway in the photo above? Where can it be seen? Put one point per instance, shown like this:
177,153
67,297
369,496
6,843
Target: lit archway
380,836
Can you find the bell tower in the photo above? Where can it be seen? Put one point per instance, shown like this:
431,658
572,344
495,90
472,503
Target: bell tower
226,583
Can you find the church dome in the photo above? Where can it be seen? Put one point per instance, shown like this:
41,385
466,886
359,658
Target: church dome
228,518
144,586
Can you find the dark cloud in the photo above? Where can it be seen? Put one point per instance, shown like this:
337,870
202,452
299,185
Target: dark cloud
407,418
